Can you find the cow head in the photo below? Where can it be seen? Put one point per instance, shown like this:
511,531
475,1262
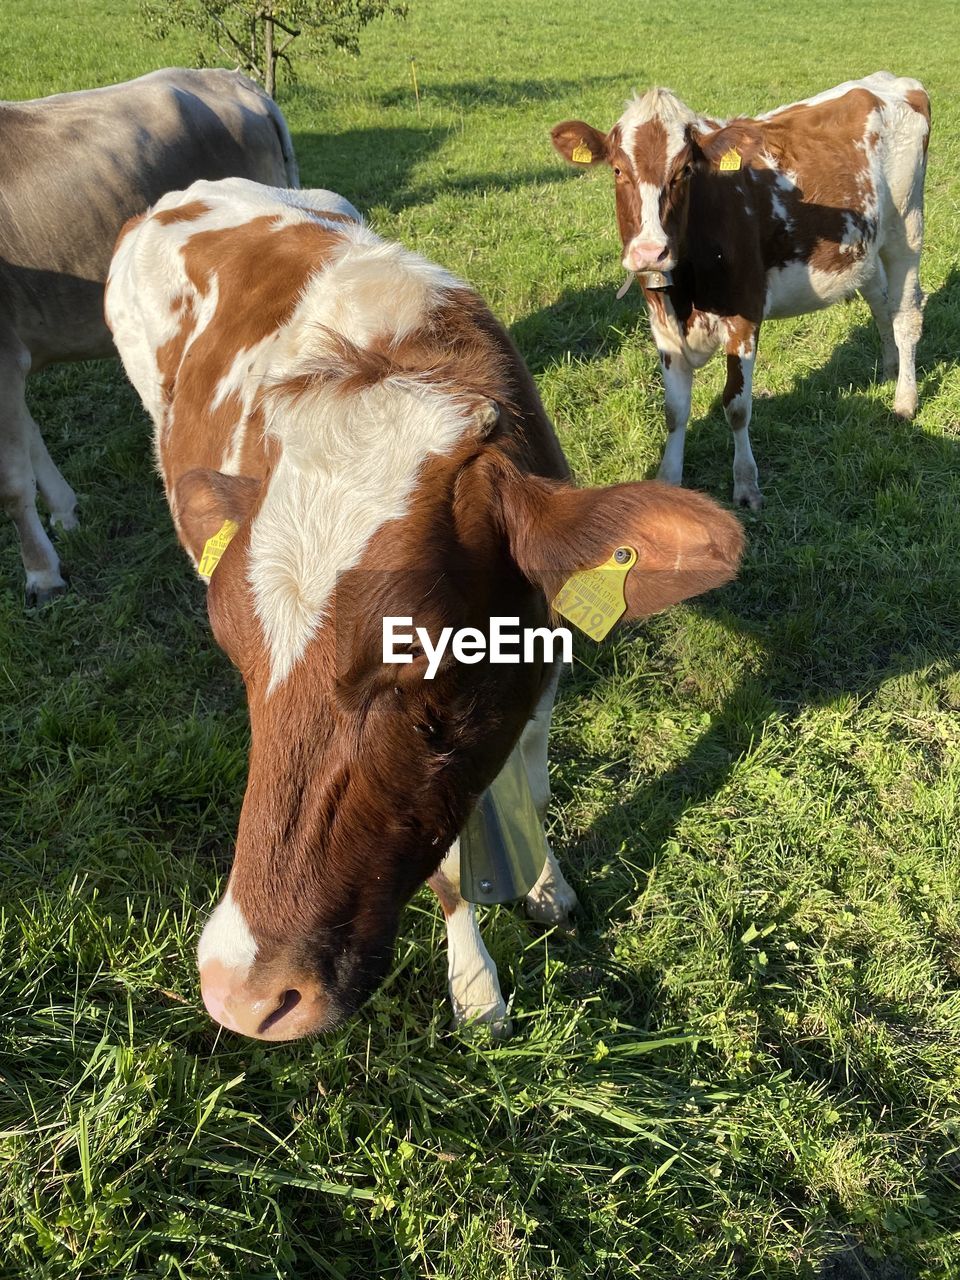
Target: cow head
360,773
654,150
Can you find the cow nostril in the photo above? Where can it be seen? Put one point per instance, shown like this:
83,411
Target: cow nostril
664,254
289,1000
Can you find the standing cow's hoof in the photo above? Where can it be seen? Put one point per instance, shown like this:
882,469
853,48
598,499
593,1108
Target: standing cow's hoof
747,494
551,901
39,593
905,407
551,905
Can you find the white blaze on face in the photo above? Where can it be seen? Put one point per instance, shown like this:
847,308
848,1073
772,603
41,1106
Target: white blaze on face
322,509
664,108
349,461
651,228
225,956
226,938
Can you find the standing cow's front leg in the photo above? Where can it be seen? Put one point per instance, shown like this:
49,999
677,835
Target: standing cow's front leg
551,900
677,394
471,974
19,436
738,406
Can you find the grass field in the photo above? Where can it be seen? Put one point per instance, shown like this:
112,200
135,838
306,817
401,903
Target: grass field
747,1060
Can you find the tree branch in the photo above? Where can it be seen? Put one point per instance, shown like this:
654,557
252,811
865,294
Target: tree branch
283,27
231,37
244,62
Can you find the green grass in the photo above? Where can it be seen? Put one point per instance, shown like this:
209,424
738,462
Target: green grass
747,1061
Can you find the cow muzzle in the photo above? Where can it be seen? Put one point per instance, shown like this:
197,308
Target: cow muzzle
278,1006
648,255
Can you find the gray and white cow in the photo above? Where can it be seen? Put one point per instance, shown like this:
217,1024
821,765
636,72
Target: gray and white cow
75,168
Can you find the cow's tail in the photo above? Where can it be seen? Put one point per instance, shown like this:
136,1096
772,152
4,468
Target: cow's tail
286,143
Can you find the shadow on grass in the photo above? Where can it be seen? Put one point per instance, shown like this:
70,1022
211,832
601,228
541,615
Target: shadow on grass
490,92
850,578
468,95
376,167
584,324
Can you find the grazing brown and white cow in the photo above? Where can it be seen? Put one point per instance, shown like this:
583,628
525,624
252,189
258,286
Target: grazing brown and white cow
74,168
380,447
773,216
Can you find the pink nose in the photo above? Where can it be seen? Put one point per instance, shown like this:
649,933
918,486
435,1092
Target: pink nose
647,255
278,1010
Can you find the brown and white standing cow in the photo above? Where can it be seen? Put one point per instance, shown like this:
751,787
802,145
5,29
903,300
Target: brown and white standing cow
758,218
74,168
374,436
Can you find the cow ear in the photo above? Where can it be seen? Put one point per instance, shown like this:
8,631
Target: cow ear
203,500
740,135
685,542
580,143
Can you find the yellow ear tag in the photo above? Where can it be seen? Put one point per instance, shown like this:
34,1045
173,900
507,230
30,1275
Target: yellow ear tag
594,599
581,153
730,160
214,547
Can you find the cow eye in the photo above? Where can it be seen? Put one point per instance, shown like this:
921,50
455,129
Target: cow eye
616,170
430,729
424,718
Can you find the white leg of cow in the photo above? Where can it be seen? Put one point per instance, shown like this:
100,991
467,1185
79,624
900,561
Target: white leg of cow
60,498
875,293
677,393
551,900
18,486
738,407
471,974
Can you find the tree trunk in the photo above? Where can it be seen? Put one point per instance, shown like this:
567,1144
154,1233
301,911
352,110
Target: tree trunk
269,57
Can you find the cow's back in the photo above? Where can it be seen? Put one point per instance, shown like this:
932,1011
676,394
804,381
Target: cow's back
77,166
237,307
156,300
860,139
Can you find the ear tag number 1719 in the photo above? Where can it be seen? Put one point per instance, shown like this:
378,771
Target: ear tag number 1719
214,547
595,599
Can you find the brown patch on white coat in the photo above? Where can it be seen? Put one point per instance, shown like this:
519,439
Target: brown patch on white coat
763,217
370,427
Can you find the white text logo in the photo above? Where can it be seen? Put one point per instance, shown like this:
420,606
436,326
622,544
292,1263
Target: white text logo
506,643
